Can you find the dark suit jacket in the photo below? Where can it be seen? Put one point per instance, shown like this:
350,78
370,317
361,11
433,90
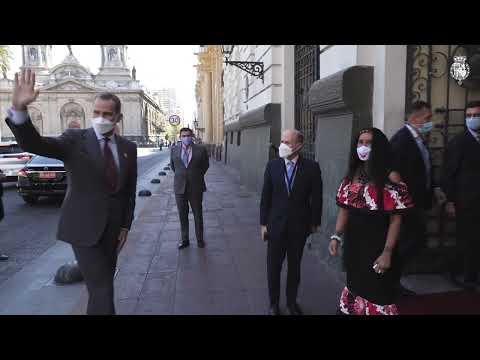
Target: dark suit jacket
194,175
304,206
461,172
408,161
87,206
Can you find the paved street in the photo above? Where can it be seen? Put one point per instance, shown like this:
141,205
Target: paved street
28,231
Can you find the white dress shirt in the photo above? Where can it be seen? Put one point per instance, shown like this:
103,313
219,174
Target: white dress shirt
188,149
112,144
475,135
294,161
20,117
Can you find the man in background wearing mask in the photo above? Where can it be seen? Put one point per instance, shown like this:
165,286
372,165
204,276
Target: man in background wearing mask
290,210
189,162
412,159
102,175
461,183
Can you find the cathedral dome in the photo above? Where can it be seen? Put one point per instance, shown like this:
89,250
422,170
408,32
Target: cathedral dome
70,68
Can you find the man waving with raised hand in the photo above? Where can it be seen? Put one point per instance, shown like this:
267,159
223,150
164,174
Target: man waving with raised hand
102,174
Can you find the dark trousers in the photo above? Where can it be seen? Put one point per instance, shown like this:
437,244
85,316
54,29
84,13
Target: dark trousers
412,236
97,264
290,244
195,201
468,243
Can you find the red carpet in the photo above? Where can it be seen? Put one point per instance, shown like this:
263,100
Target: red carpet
449,303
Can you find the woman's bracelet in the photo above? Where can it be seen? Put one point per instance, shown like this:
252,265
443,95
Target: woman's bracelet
336,237
387,249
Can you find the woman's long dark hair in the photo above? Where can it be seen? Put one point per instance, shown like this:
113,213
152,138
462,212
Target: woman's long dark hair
379,162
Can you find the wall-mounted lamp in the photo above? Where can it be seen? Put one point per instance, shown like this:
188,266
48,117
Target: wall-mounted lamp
254,68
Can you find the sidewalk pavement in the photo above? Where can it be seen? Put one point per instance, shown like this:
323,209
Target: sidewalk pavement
228,276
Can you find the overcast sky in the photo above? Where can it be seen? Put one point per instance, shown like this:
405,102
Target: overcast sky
158,66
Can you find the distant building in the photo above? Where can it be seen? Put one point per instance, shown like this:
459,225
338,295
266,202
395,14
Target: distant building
67,93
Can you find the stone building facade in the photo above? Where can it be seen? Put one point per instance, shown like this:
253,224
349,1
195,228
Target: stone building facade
329,92
68,89
256,110
209,95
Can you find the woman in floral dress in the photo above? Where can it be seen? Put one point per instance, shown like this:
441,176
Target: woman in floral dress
371,199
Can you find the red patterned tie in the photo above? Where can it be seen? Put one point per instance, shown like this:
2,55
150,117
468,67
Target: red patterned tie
111,173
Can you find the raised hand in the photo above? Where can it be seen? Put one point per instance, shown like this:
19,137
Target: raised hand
24,92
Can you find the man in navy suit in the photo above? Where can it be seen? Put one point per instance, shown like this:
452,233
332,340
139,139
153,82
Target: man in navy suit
412,159
290,210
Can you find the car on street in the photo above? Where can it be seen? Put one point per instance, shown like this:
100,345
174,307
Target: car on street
42,176
12,160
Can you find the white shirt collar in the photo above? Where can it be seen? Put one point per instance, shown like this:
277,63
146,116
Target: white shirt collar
414,132
475,134
294,160
100,136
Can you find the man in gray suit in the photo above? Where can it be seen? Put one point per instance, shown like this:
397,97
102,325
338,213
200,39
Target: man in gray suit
102,174
189,162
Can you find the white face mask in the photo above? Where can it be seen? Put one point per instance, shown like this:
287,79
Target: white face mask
102,125
284,151
363,152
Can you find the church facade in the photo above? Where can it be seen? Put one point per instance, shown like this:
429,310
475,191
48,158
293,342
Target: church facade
68,89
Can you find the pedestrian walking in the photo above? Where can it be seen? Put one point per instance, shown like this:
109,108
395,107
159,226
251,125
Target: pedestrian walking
102,174
189,162
372,200
461,180
290,210
412,159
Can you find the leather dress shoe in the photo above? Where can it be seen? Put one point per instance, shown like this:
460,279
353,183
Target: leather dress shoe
201,244
465,285
469,284
3,257
275,310
294,309
183,245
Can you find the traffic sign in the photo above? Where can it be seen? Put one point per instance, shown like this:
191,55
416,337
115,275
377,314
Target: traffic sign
174,120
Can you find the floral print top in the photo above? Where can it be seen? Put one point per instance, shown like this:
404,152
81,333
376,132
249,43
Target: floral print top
364,196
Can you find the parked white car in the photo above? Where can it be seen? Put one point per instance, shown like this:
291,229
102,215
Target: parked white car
12,160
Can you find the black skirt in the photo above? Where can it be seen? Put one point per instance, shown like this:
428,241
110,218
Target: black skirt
364,241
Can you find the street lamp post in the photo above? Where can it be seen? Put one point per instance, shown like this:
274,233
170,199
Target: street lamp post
255,68
195,126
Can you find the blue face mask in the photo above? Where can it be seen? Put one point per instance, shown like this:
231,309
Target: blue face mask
187,140
426,128
473,123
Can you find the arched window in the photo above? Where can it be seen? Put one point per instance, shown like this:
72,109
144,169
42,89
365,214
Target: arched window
37,119
73,116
